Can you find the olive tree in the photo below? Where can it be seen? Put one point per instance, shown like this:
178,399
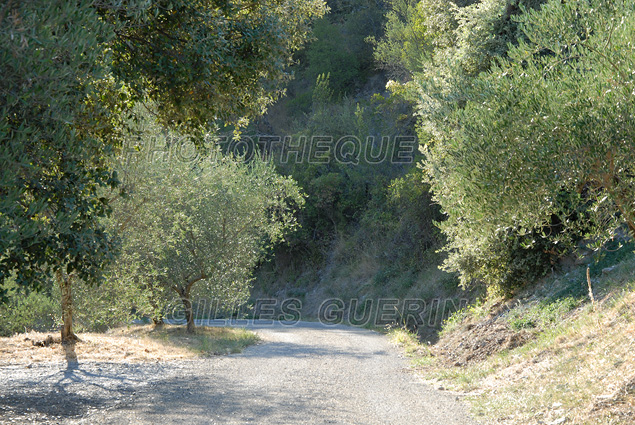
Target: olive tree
435,49
545,133
200,227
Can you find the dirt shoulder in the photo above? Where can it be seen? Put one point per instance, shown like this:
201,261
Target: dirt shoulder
126,345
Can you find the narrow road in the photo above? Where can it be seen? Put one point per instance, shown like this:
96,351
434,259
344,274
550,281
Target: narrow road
307,373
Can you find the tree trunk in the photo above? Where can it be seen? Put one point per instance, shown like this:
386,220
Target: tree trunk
65,282
189,313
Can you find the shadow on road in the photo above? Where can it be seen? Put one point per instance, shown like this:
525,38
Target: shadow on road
71,355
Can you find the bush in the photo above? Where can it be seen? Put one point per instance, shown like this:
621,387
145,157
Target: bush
540,315
522,144
96,308
504,262
109,305
28,311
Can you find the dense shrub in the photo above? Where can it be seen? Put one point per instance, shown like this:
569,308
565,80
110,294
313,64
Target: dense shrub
28,311
504,261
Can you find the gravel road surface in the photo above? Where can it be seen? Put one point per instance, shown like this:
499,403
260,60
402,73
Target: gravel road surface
307,373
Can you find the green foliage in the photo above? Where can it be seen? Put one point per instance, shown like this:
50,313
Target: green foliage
443,41
362,217
28,311
53,141
71,73
397,227
352,213
413,31
465,38
540,315
341,188
114,303
338,49
208,60
331,54
197,227
504,260
96,309
410,200
545,134
443,46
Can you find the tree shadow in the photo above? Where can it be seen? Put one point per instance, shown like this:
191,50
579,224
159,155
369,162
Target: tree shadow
54,393
71,356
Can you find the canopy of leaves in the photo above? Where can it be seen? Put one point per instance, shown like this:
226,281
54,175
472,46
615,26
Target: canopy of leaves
207,60
199,226
71,72
434,49
546,132
51,165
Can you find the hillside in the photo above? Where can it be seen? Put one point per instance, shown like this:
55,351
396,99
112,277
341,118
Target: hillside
546,356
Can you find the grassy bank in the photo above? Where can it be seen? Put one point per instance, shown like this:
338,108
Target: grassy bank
548,356
205,341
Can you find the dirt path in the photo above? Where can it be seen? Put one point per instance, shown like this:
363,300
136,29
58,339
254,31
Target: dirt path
301,374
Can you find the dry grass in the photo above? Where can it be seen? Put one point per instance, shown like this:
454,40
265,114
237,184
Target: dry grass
126,345
579,371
